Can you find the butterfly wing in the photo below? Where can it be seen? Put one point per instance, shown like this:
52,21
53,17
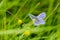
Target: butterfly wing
42,15
38,22
32,16
41,21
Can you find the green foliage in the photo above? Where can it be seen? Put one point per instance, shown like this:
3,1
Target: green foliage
13,10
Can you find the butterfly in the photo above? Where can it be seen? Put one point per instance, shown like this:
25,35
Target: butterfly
38,20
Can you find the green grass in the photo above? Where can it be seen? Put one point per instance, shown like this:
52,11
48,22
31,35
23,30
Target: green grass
13,10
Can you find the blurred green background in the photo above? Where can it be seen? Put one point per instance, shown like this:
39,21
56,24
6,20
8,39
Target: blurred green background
11,11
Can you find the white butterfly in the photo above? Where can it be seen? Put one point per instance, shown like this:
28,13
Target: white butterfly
38,20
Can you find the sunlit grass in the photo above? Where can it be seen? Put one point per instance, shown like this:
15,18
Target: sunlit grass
15,23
